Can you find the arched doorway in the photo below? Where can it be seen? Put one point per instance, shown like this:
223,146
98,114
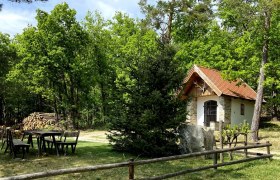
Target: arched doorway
210,112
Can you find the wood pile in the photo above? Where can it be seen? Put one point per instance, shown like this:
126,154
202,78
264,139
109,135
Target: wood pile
39,120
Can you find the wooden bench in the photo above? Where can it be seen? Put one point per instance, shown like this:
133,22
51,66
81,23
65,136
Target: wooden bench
15,145
68,139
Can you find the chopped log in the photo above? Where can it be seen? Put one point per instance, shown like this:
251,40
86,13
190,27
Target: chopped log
38,120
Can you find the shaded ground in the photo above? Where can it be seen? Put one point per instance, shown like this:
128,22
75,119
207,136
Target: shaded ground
270,131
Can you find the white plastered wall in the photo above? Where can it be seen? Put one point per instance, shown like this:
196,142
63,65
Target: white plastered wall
236,117
200,108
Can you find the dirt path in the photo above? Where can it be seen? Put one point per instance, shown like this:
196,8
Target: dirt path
94,136
100,136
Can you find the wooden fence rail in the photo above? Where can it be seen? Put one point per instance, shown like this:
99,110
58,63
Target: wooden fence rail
131,164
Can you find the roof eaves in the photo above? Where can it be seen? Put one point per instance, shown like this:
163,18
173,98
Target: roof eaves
207,80
250,88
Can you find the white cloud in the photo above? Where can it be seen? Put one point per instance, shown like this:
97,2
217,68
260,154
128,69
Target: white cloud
14,17
13,22
108,10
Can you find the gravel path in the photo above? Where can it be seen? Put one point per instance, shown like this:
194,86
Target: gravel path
100,136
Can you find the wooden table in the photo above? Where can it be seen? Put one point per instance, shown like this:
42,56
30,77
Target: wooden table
40,138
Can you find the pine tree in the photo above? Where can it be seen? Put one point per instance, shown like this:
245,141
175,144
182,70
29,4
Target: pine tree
146,121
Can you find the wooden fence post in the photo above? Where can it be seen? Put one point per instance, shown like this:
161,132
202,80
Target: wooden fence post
215,159
221,140
268,148
131,164
245,144
230,152
131,169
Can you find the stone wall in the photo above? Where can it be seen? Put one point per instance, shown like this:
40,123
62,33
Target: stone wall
192,110
223,111
220,111
227,101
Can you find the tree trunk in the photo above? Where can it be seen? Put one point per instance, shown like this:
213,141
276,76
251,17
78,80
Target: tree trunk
275,113
55,109
1,110
259,98
103,102
73,101
169,24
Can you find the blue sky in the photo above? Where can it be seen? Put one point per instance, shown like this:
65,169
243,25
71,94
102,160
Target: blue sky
14,17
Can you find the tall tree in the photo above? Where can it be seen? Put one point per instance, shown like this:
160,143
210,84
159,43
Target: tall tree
7,56
193,20
178,20
160,16
272,83
259,99
211,50
253,17
99,53
51,64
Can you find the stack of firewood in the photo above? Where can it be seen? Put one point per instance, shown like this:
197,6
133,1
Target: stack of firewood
38,120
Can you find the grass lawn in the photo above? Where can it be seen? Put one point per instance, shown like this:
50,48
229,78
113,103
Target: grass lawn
270,131
96,153
91,153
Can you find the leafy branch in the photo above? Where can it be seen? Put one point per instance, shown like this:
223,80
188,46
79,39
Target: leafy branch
230,133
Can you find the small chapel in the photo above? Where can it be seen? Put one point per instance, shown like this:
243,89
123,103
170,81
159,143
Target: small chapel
212,99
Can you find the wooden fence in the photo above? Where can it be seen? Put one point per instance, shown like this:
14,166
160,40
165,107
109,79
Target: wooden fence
131,164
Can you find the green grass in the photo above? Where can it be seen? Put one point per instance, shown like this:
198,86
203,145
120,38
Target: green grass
270,131
89,153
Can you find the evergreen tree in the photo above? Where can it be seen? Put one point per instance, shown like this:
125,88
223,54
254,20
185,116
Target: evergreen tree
178,20
147,118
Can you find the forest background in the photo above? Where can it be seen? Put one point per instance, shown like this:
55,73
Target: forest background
123,72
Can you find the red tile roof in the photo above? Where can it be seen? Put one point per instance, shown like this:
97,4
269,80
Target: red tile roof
220,86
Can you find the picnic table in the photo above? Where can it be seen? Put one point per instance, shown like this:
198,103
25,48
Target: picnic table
40,138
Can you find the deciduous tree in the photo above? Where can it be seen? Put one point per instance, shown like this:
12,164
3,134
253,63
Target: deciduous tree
254,18
51,64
